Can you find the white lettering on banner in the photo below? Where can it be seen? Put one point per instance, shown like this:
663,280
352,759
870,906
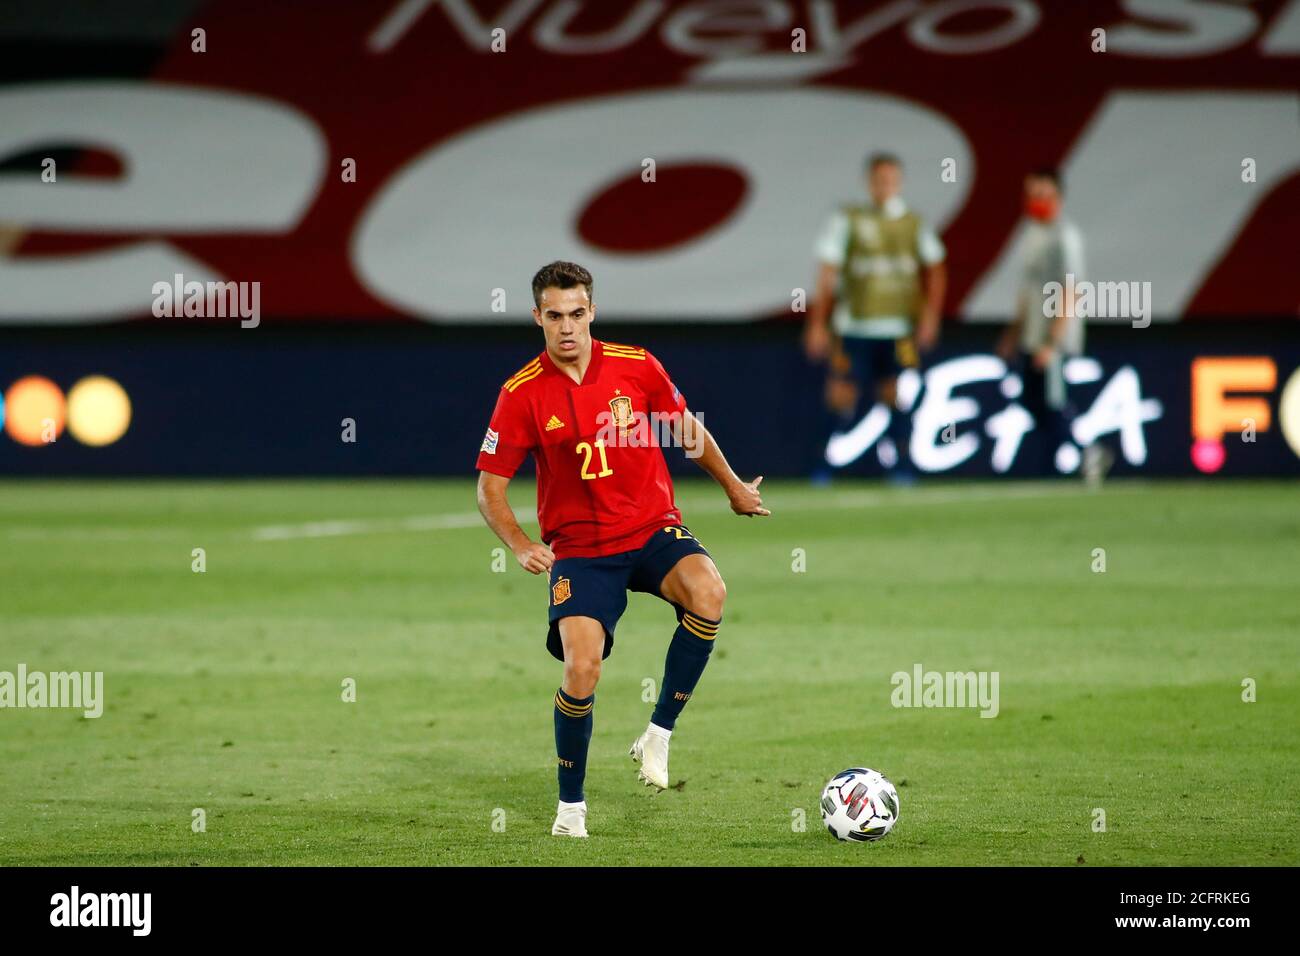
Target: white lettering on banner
1120,407
694,29
550,35
1081,370
199,162
939,407
1283,38
832,48
846,448
1007,428
430,211
1117,408
202,161
1184,29
731,33
925,30
1180,28
474,31
100,286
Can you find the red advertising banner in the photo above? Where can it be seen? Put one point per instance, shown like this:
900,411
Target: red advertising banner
421,159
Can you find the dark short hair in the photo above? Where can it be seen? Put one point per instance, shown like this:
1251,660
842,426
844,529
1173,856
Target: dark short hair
1048,172
883,159
561,275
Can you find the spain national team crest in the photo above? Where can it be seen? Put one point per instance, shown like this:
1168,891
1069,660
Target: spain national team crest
621,407
560,591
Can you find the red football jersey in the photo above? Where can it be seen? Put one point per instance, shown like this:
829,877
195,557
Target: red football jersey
602,482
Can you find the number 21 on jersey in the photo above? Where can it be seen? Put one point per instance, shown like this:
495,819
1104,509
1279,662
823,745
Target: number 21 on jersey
585,449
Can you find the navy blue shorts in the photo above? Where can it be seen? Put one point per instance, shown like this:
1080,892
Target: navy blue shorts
872,361
597,587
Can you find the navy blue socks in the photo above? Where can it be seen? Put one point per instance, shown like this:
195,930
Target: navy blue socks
687,654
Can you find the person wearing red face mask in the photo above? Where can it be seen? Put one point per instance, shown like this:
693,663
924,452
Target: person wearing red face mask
1047,330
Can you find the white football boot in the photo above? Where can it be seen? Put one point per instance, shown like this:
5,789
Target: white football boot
570,820
651,751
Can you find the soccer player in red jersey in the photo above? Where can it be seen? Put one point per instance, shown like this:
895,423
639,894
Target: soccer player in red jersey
591,414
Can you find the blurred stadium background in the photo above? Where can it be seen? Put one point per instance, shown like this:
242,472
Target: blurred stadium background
400,300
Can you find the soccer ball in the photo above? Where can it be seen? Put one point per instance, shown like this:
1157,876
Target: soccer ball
859,804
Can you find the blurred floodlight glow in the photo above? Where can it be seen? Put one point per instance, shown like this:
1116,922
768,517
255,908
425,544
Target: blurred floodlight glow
34,410
99,411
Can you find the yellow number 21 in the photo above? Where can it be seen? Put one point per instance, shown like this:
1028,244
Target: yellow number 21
584,448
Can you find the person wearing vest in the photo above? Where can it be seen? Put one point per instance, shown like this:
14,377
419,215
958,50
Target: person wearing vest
876,308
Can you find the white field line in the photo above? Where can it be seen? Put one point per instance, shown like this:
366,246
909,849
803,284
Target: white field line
332,529
97,533
805,501
786,500
280,532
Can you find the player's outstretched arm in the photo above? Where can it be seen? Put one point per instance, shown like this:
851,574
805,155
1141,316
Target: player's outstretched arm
699,444
816,330
532,556
1009,341
934,280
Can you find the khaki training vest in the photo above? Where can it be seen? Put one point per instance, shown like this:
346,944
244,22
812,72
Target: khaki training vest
881,275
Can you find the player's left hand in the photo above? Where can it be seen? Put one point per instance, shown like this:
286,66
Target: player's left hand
1043,357
927,335
745,499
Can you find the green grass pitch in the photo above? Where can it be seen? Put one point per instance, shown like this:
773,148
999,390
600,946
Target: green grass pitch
1119,690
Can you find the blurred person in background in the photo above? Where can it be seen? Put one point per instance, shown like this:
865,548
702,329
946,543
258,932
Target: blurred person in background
1047,330
877,306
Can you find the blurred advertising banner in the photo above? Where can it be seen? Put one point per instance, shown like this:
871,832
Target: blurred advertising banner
416,401
420,160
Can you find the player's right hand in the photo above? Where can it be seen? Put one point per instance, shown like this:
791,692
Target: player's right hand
1006,348
927,335
746,500
816,341
535,558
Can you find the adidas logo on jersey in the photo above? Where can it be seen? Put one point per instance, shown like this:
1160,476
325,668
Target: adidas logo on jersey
553,424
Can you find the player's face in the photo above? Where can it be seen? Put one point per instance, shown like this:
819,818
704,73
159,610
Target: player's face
1042,198
1041,189
884,182
565,317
